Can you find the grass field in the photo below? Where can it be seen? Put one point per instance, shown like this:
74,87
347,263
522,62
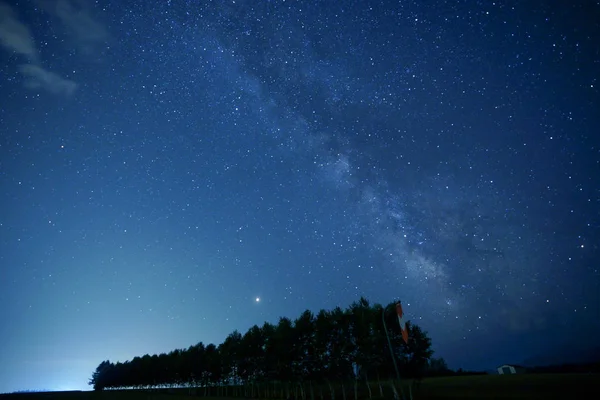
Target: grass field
525,386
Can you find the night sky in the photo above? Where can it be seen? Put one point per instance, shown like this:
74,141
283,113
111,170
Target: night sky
173,170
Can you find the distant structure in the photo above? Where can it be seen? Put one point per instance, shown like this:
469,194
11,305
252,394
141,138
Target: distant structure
508,369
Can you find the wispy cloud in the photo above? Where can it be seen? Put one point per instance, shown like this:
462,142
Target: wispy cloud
37,77
76,17
17,38
14,35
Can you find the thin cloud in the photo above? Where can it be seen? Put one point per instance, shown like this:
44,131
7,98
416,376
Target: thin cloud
37,77
76,16
14,35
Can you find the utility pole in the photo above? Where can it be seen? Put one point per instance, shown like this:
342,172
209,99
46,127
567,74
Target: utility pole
405,337
390,343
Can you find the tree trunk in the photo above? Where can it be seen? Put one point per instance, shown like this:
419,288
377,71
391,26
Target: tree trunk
331,390
379,383
369,387
312,392
343,391
393,385
355,388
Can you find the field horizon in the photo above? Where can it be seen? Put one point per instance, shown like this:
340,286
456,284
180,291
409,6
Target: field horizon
517,386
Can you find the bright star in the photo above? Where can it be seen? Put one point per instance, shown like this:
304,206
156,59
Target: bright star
257,299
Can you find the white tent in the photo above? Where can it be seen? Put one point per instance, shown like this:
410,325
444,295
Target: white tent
508,369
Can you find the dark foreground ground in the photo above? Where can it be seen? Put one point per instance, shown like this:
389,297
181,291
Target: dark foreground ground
526,386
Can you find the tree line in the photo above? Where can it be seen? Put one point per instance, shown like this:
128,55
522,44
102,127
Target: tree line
321,352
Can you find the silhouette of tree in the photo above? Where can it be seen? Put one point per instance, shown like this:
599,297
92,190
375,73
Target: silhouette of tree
230,357
332,350
438,367
101,376
417,353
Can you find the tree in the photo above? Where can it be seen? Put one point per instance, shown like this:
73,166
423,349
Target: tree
302,347
340,346
271,354
438,367
417,352
101,376
252,361
289,358
362,334
281,343
230,357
